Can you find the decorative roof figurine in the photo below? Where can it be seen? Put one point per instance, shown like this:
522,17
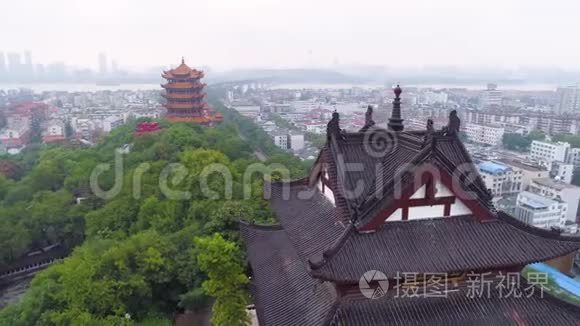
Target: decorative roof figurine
453,125
333,127
429,133
369,122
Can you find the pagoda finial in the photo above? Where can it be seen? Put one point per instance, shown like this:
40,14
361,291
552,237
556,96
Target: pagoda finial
182,60
395,121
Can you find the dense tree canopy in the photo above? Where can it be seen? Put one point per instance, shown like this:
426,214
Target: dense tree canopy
221,260
135,259
521,143
573,140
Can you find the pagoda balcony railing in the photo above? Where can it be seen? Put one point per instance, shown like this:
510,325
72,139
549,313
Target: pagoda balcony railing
183,85
183,90
184,100
182,80
185,105
185,96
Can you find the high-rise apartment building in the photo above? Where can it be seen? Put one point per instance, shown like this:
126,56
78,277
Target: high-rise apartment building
3,69
28,68
103,63
568,99
14,63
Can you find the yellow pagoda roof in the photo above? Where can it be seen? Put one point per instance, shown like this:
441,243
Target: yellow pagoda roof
183,70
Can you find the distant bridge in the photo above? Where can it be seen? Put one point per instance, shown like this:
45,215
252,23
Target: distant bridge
257,83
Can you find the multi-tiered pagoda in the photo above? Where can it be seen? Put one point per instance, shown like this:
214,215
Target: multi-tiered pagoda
185,96
382,212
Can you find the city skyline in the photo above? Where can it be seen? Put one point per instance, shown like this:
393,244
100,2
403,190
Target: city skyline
283,34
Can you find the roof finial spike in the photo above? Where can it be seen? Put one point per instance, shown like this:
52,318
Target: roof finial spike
182,60
397,91
396,121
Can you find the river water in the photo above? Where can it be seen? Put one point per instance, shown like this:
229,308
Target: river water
71,87
90,87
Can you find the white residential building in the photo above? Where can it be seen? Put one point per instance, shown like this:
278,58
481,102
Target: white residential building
529,171
269,126
112,122
562,171
548,152
559,190
84,128
540,211
430,97
484,134
574,157
568,99
16,121
281,139
316,128
296,141
153,114
55,128
55,131
500,179
15,136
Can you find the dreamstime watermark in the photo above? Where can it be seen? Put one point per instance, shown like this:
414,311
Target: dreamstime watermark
374,285
376,172
379,143
175,181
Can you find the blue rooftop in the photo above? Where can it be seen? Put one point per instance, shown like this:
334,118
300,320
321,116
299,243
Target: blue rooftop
535,204
536,201
493,168
565,282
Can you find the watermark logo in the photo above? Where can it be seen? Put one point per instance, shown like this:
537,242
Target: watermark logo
379,142
373,284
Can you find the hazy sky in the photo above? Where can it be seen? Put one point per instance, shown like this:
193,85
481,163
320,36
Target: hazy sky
293,33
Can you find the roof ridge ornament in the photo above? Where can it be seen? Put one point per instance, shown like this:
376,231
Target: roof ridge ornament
182,60
429,134
333,127
453,125
395,121
369,122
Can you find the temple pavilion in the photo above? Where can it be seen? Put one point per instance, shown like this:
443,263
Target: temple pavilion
410,205
185,96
